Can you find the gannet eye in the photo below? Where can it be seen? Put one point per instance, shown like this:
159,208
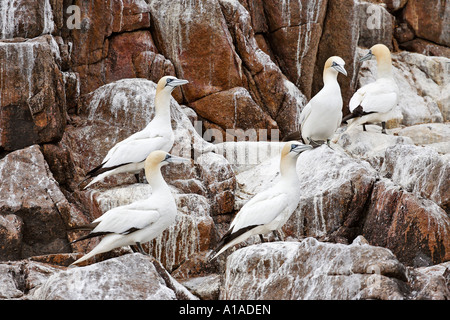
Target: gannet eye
169,80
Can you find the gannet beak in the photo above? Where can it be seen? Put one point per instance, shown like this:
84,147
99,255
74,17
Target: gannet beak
174,159
340,69
177,82
368,56
299,148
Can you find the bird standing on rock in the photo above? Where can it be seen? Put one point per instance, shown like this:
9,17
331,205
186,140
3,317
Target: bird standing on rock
129,155
374,102
140,221
322,116
268,210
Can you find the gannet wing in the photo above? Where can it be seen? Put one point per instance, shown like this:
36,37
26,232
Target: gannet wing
134,150
260,210
374,97
305,113
124,220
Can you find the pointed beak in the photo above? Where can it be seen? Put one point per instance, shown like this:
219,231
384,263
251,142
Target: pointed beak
368,56
177,82
174,159
340,69
299,148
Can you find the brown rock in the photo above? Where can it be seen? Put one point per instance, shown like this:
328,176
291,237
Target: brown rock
429,19
233,109
27,19
32,201
416,230
426,47
419,170
32,98
208,62
295,30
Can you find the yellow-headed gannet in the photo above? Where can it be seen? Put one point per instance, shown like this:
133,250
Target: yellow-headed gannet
270,209
323,114
373,103
129,155
140,221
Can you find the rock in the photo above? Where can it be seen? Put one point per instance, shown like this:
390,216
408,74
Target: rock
34,212
32,99
313,270
26,19
113,44
433,283
426,47
416,230
269,87
434,135
105,281
233,109
209,63
295,28
206,288
21,278
370,145
376,25
429,20
419,170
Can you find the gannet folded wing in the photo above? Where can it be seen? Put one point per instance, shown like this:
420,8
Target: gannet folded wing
126,219
260,210
374,97
133,150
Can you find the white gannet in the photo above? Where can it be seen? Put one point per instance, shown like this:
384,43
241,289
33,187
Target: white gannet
374,102
129,155
322,116
270,209
140,221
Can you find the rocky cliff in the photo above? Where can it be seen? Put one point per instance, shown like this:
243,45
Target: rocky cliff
78,76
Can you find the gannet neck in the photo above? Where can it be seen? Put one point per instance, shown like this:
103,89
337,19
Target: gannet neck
288,169
155,179
162,104
384,67
330,76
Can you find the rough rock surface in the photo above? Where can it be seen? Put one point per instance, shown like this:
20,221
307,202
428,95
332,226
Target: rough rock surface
69,92
106,281
315,270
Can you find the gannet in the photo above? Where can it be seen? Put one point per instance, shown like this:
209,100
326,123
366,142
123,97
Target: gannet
270,209
373,103
323,114
140,221
129,155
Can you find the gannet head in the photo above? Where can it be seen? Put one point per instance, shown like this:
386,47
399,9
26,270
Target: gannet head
168,83
378,51
289,155
293,149
159,158
336,63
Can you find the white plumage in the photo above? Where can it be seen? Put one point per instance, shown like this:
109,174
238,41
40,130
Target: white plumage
129,155
141,221
270,209
375,102
323,114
